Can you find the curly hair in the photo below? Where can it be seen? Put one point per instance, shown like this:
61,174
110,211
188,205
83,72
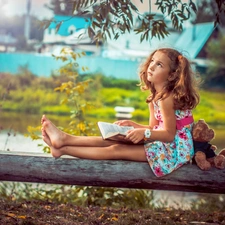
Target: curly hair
182,84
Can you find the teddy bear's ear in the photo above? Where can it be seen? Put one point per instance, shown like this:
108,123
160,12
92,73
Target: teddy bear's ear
211,134
222,152
203,124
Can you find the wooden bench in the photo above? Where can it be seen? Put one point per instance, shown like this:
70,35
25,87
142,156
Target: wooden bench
42,168
123,113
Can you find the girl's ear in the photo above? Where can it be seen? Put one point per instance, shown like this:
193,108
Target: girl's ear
172,76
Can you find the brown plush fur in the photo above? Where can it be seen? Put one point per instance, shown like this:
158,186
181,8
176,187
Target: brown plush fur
202,133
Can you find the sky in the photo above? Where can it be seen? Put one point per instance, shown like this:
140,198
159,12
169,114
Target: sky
18,7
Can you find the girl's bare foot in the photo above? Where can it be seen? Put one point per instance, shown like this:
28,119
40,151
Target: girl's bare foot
46,138
43,118
55,135
56,153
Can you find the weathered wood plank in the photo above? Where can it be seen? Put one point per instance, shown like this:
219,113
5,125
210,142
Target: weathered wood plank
40,168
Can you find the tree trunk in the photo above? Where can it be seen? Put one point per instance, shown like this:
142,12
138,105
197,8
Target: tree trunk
42,168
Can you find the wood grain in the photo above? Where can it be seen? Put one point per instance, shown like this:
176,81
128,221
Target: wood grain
41,168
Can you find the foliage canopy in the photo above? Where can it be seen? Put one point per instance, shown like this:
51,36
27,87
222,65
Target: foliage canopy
110,19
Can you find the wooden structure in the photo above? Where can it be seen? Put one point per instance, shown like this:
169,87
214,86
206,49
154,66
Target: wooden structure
123,113
42,168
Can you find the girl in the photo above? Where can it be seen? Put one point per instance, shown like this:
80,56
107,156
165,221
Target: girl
167,139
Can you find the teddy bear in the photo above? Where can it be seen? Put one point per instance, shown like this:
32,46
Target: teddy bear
205,156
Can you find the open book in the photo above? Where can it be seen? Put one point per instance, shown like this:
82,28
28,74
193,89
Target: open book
113,131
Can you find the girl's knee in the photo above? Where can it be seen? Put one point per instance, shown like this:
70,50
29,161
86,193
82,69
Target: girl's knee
128,152
116,151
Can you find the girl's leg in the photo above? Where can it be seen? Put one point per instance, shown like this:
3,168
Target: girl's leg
116,151
61,143
59,138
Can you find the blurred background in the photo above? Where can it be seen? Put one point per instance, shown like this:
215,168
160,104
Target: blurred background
34,79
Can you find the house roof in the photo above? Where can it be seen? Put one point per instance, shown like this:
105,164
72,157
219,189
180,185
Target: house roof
129,42
193,38
190,41
68,21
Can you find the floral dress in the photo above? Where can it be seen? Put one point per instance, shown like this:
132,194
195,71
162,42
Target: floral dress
165,157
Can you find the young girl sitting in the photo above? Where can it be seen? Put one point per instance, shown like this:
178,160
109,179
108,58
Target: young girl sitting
168,143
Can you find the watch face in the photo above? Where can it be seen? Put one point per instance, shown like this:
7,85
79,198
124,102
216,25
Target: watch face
147,133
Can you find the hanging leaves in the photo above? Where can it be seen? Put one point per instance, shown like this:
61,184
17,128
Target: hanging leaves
220,11
178,11
110,18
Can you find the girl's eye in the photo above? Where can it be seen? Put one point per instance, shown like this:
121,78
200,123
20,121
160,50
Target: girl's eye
152,62
159,64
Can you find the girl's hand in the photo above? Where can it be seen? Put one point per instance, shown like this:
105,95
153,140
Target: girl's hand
125,123
136,135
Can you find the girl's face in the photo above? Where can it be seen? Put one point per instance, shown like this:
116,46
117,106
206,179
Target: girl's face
159,70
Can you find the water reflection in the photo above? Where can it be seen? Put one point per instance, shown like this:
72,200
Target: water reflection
17,123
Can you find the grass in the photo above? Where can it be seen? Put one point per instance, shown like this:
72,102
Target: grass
105,93
211,108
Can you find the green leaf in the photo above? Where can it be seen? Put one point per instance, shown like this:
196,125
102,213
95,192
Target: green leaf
193,6
58,26
108,32
116,36
91,32
133,7
95,24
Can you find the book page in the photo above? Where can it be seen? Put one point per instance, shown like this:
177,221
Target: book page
110,129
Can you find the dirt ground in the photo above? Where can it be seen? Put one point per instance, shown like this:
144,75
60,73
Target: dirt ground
45,213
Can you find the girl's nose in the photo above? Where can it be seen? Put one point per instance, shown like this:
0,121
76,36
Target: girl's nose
151,67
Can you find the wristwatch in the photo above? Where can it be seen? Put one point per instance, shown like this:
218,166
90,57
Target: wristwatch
147,133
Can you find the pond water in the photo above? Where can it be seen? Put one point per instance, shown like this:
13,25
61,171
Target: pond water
15,126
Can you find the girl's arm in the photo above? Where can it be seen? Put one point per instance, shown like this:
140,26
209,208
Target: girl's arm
169,120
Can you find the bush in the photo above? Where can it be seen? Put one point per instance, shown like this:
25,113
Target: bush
40,98
82,196
209,203
141,115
